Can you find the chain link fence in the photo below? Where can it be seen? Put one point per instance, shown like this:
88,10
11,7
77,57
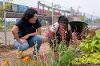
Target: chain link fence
9,36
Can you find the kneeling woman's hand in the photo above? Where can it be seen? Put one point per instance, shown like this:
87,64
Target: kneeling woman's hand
26,36
22,41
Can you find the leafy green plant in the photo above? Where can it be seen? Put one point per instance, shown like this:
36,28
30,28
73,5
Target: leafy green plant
90,52
90,45
93,58
66,55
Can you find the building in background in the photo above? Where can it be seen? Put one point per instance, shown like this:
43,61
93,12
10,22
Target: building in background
10,7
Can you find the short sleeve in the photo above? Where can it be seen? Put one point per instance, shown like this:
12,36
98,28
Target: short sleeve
38,24
19,24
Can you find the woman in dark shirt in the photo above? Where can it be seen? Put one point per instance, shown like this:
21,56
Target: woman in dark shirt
27,31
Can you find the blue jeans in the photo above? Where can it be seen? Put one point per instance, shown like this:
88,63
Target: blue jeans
37,39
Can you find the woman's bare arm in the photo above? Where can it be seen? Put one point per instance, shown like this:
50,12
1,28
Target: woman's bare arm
15,30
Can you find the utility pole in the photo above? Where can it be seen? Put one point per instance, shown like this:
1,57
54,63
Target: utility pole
52,12
38,6
4,20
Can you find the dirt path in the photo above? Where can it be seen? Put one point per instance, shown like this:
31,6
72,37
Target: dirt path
10,54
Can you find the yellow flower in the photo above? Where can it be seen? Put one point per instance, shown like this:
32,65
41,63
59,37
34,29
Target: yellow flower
20,52
5,62
26,59
47,65
33,62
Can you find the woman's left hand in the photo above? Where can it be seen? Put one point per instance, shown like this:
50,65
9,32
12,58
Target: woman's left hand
26,36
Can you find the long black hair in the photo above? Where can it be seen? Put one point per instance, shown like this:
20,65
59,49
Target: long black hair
28,14
63,18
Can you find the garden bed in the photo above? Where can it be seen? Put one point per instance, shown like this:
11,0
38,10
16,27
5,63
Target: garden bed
87,53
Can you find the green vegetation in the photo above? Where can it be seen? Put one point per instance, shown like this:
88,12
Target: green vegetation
98,33
90,52
1,24
97,20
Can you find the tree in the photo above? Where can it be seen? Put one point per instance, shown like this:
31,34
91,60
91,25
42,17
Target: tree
2,10
83,18
3,16
97,20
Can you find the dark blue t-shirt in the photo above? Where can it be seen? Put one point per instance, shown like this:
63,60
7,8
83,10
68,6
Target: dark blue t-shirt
27,28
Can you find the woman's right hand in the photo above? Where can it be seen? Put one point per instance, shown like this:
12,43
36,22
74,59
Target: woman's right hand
22,41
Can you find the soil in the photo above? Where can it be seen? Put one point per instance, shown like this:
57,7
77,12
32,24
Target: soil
9,53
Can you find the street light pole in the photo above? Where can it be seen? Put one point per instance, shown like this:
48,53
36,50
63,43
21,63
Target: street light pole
4,20
52,12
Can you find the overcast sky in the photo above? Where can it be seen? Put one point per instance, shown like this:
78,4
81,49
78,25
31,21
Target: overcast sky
87,6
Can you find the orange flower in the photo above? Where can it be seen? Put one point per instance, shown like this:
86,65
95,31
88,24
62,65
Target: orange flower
33,62
26,59
5,62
